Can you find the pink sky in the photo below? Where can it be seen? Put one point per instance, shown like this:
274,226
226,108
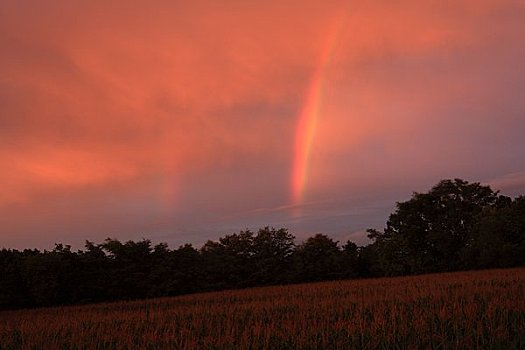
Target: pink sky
181,121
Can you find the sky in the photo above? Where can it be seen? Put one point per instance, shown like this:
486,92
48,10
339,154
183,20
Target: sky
183,121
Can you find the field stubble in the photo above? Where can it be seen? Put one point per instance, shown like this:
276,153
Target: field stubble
464,310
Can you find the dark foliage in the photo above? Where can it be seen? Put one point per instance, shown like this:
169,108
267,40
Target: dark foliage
456,225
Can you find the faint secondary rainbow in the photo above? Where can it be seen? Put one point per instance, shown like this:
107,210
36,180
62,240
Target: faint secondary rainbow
309,115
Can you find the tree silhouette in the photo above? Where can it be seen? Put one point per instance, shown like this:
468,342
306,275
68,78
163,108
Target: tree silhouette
318,258
272,255
456,225
428,232
498,238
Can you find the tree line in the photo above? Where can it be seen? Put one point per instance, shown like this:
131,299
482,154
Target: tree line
455,226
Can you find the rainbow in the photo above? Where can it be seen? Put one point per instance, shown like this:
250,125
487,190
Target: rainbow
308,117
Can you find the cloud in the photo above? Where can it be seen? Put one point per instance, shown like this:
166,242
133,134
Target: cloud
399,109
509,184
186,112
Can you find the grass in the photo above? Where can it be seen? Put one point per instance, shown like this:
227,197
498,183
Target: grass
463,310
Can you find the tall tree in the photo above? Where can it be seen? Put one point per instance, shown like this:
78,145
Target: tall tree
229,262
131,265
318,258
272,255
498,238
428,232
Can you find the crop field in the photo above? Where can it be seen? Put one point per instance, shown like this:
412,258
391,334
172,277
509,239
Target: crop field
464,310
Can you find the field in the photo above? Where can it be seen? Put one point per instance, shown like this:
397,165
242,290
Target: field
465,310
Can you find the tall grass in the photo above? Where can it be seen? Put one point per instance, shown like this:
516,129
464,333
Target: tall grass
466,310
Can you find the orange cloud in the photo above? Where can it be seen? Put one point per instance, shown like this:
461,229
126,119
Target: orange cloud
194,99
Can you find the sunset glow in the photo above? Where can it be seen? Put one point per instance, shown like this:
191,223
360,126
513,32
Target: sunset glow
184,121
